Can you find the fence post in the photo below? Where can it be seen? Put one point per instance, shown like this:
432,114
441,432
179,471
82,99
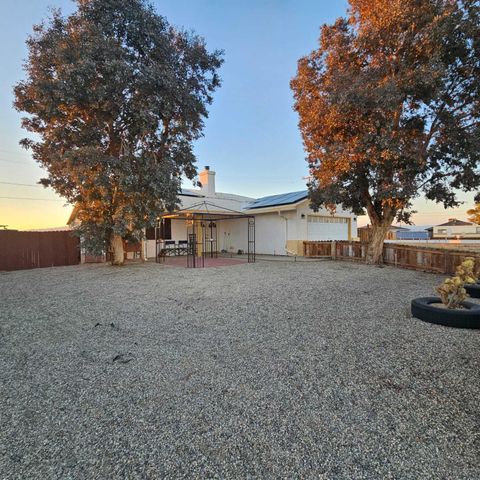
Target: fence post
334,250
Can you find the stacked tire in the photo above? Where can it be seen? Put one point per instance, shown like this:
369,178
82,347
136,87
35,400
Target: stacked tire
466,317
473,290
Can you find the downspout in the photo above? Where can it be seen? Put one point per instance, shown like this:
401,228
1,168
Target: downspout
286,229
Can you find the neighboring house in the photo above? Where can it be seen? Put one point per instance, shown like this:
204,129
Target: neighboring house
455,230
282,222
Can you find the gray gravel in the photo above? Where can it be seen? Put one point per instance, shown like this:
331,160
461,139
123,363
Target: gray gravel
311,369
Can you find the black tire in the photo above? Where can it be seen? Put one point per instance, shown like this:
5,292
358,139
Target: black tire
469,317
473,290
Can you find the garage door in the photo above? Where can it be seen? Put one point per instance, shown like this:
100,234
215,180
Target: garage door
327,228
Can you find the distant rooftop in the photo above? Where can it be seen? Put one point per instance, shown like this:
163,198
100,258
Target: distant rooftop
276,200
416,228
66,228
392,228
453,222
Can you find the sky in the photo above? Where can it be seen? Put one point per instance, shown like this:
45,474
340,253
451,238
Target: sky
251,138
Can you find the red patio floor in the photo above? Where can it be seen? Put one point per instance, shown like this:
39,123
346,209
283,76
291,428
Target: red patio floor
181,261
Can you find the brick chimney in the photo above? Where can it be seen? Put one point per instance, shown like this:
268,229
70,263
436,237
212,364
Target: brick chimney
207,179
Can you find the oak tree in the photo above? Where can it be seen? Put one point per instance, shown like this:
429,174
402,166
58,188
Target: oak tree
115,97
389,108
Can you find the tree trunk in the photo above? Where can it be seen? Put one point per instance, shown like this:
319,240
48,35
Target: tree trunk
375,245
116,245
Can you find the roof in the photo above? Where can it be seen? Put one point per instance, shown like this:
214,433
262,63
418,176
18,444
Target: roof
417,228
453,222
276,200
190,193
183,192
229,202
50,229
392,228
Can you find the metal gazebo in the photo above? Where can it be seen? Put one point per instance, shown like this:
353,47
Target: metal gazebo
202,240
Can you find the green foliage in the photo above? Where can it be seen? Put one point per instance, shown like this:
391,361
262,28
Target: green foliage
115,97
389,106
452,291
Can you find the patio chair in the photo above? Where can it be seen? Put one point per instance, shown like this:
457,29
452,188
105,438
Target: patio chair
182,247
169,247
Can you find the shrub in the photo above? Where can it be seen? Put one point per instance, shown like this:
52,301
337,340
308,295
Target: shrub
452,291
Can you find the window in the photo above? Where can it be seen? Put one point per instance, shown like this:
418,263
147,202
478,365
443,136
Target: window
442,231
323,219
150,233
165,231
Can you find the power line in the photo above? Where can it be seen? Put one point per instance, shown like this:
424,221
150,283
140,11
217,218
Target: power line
8,151
439,213
31,198
17,162
21,152
21,184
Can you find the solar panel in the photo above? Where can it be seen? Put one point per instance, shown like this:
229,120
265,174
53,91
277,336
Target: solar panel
274,200
189,193
412,235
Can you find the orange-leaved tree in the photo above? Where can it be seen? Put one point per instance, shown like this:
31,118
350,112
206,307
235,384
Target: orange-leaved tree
474,214
389,109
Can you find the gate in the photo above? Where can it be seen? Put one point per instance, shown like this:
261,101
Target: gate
251,240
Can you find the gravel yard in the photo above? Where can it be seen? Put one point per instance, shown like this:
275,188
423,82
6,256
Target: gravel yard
277,369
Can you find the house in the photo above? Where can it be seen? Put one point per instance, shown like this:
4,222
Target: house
455,230
230,223
282,222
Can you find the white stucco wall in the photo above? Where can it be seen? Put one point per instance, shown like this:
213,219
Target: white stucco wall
272,230
232,235
271,233
179,230
275,228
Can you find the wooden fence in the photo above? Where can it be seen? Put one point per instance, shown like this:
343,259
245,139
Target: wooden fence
23,250
437,260
318,249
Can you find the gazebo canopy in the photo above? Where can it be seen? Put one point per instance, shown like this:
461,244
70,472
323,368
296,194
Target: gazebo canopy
205,211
